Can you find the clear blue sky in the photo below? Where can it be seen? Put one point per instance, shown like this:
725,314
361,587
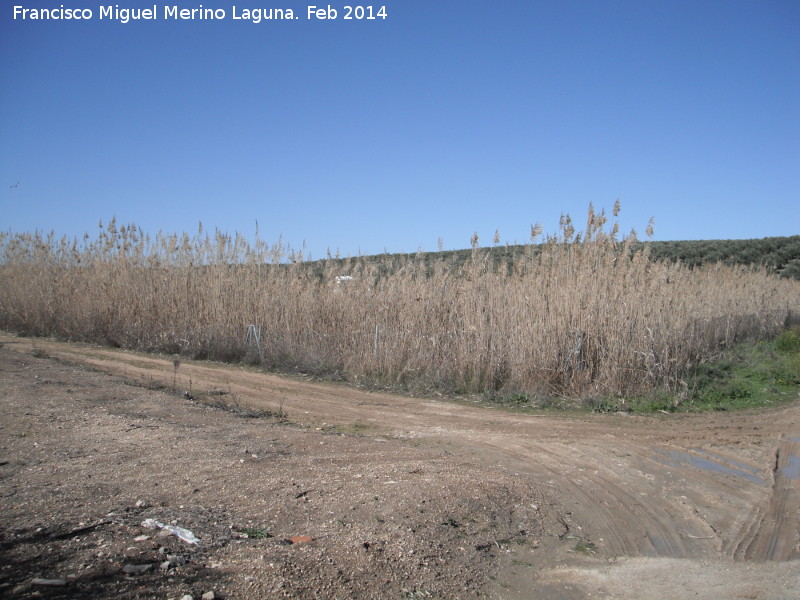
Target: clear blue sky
445,118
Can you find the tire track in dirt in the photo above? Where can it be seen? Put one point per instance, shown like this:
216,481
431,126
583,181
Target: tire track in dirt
592,516
774,532
618,515
633,485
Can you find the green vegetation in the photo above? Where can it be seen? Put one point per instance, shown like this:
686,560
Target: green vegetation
780,255
254,533
788,342
751,374
585,547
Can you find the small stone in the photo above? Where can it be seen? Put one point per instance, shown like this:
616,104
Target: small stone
209,596
176,560
142,504
141,538
301,539
136,569
164,566
187,597
48,582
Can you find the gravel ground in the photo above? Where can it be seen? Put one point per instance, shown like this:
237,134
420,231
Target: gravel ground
281,511
361,494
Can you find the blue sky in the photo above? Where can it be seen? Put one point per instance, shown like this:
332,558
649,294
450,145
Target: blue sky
444,119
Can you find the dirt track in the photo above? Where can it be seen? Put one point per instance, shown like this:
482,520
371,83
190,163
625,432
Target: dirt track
632,494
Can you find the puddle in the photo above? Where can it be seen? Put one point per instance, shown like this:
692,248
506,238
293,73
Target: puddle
710,462
792,469
739,466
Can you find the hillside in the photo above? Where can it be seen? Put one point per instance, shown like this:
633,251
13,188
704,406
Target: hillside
781,255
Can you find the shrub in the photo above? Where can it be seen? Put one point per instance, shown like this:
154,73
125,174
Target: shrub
788,341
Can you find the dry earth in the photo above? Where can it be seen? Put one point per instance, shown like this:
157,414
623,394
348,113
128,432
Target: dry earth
393,497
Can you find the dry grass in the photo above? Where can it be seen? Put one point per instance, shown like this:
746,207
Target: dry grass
584,315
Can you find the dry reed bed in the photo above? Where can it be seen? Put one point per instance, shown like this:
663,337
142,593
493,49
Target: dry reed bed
584,315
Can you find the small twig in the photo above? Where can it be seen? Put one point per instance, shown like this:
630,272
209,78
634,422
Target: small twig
566,527
80,530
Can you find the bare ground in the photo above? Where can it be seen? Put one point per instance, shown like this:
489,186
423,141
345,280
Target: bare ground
397,497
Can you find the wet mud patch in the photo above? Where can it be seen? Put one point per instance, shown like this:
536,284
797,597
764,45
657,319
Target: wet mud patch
711,462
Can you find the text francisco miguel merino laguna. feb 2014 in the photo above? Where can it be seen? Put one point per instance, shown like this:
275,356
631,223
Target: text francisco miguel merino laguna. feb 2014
200,13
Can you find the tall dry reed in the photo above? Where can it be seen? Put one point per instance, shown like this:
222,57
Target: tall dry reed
585,313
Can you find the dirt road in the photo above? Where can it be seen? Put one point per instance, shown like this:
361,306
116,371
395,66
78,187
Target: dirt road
630,507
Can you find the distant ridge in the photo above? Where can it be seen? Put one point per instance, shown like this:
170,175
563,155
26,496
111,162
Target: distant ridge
780,255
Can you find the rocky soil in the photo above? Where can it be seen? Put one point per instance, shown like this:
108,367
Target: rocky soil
280,510
299,489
